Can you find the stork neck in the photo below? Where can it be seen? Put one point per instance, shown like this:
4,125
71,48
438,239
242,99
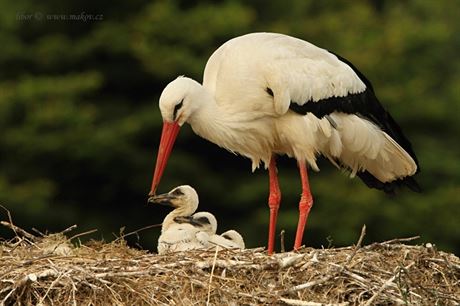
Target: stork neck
234,128
182,211
213,122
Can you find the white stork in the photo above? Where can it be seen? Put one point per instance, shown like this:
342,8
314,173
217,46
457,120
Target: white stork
266,94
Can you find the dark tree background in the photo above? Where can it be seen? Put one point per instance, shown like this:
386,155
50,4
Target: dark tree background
80,125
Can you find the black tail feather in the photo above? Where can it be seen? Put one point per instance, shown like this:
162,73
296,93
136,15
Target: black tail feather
366,105
379,115
389,187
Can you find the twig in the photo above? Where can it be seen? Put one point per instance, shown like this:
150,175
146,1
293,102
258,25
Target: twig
74,289
82,234
249,296
398,240
32,277
17,230
8,214
445,261
340,268
100,276
357,247
361,237
351,274
306,303
69,229
49,288
38,232
283,248
13,227
228,263
138,230
386,284
289,261
212,273
3,302
311,283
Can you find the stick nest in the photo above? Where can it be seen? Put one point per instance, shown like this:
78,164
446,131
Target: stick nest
50,270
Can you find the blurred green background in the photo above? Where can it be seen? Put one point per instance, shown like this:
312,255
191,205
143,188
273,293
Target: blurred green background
80,124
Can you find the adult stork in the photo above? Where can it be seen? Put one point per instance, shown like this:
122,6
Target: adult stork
266,94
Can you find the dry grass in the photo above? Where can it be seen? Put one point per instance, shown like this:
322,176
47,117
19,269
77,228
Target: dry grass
49,270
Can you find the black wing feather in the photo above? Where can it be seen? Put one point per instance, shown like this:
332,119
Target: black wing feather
364,104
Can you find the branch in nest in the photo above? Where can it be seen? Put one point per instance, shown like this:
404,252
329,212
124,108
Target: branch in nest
17,230
289,261
386,284
228,263
399,240
306,303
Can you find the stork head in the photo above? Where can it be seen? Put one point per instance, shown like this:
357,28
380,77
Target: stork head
183,198
177,104
208,221
235,237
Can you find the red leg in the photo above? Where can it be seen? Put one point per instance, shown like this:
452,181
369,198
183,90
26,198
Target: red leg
273,203
306,202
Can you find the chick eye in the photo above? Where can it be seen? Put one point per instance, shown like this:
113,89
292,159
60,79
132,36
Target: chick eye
177,192
176,108
203,220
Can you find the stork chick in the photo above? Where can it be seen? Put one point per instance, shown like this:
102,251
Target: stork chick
205,223
233,240
177,236
207,236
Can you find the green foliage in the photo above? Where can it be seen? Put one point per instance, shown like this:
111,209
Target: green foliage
79,122
181,40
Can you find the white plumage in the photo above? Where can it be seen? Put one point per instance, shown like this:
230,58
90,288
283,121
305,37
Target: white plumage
182,231
233,109
207,222
265,94
208,236
177,236
230,239
183,199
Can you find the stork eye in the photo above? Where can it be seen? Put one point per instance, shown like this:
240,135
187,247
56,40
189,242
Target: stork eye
177,192
203,220
269,91
176,108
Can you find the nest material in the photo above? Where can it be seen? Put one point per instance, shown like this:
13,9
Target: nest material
49,270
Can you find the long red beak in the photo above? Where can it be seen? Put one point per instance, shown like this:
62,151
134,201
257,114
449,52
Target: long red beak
168,137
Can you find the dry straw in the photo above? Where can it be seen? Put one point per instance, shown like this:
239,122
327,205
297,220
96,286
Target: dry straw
51,270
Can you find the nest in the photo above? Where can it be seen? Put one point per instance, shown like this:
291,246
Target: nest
50,270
